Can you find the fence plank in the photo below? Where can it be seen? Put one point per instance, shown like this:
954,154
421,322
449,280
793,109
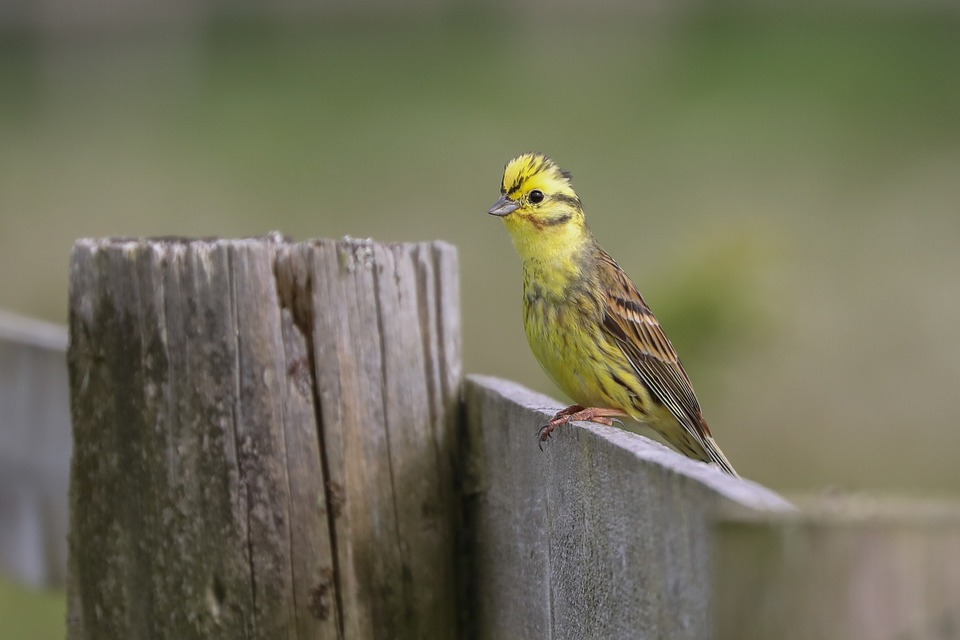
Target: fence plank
263,439
841,568
34,451
603,535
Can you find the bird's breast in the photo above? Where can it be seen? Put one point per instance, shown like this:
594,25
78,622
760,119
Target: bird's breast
563,330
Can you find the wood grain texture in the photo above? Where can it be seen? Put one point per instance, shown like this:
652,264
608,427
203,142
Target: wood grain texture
841,568
388,379
34,451
262,435
604,534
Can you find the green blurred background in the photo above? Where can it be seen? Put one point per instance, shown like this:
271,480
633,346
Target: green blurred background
782,184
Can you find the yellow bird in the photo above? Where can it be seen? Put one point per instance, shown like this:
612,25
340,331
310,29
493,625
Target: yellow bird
587,323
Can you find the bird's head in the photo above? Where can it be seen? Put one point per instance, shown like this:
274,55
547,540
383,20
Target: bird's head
538,204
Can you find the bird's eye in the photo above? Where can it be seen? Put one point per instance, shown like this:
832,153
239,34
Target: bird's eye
536,196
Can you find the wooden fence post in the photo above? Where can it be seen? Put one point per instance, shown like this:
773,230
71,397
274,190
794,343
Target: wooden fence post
263,439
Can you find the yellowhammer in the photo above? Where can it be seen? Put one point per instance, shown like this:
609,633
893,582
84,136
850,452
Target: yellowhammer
587,323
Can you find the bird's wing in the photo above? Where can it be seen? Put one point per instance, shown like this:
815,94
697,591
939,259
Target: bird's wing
628,319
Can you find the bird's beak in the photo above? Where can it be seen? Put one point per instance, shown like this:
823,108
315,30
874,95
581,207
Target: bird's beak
503,207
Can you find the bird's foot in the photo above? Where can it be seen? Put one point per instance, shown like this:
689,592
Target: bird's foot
599,415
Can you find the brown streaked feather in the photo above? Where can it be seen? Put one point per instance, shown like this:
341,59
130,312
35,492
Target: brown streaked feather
638,333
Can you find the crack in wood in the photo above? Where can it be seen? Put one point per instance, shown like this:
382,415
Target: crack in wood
298,299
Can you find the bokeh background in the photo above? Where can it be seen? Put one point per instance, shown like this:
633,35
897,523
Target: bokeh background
782,182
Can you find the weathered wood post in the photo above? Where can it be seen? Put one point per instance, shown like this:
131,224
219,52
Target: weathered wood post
263,439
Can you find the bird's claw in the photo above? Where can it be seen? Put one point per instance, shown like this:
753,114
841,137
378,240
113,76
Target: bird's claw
559,418
544,433
608,422
577,412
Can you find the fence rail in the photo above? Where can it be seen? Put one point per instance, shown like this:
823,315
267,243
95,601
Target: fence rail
34,451
274,439
603,535
849,567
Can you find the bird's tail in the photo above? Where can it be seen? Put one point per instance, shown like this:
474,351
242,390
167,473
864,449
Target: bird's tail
716,456
700,445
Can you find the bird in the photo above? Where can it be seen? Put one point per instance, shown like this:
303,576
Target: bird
587,323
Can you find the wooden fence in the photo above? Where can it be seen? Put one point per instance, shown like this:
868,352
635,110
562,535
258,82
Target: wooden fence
275,439
34,451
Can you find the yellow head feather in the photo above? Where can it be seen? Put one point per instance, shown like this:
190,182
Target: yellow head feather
543,215
532,171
